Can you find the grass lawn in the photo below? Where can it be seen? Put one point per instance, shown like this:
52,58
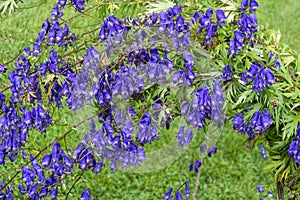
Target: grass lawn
283,15
232,173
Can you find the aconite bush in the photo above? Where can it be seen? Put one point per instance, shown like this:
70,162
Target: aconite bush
197,69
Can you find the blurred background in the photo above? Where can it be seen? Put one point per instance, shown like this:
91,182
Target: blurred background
283,15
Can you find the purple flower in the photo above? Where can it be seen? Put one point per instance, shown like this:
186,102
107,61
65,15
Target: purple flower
21,189
269,76
221,16
62,3
244,5
298,133
187,191
209,12
78,4
253,5
2,68
203,148
53,193
188,136
259,189
238,122
86,195
277,64
147,132
251,73
294,151
180,137
271,195
259,83
204,21
178,195
266,119
176,9
198,164
192,166
263,152
36,49
226,73
212,150
167,196
238,36
180,26
164,21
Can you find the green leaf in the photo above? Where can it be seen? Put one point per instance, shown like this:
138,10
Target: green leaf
159,6
244,96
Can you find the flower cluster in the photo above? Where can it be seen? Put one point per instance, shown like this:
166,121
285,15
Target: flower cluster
14,128
184,139
111,31
262,78
25,86
78,4
147,132
52,32
8,194
188,75
205,23
127,83
166,23
114,142
204,105
36,184
116,148
252,6
261,190
260,122
195,166
86,159
58,69
275,61
294,148
157,68
217,102
178,196
196,112
93,81
247,27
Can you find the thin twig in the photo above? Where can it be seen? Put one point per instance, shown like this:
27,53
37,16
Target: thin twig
197,184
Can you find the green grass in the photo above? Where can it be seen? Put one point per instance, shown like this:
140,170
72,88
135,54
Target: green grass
232,173
282,15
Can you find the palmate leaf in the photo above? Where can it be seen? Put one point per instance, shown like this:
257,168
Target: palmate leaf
8,6
159,6
291,124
